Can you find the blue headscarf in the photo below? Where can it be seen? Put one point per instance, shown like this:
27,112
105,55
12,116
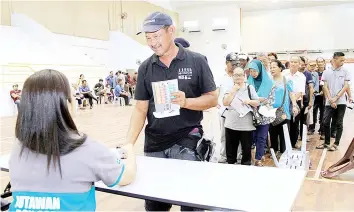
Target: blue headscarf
262,83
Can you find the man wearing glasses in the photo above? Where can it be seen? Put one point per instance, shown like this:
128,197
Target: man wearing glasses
224,84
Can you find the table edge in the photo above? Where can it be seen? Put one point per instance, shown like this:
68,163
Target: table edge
173,202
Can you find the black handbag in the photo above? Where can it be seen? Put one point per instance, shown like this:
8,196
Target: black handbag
280,114
5,204
259,119
205,149
256,116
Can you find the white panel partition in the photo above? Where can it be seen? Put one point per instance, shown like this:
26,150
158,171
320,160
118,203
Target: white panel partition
312,28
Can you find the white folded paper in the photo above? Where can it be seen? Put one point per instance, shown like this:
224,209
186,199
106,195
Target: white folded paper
240,107
267,111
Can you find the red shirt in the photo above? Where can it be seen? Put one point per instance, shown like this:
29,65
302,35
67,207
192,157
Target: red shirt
15,92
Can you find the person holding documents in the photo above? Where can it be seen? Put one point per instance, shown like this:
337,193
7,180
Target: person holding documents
238,118
53,167
170,136
260,79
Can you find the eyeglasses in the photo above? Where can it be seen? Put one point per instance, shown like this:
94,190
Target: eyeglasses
238,75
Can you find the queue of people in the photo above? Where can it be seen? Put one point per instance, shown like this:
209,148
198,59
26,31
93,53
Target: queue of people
62,162
293,92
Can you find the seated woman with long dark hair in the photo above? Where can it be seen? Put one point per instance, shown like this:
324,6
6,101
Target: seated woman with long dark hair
53,166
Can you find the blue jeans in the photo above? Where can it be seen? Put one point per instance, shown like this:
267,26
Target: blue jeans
175,152
260,139
17,103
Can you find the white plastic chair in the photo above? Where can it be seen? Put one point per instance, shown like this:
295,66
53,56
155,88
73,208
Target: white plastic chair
121,101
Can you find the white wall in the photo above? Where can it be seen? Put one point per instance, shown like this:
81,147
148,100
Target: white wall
39,45
323,27
96,50
208,42
162,3
124,52
27,47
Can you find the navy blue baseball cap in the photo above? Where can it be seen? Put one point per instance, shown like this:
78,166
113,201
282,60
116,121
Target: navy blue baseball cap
183,42
232,57
155,22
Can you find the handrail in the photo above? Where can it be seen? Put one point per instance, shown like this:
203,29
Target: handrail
29,70
19,65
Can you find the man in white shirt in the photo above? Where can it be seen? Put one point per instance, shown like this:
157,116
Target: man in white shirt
299,82
224,84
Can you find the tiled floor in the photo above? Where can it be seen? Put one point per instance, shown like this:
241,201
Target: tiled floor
109,124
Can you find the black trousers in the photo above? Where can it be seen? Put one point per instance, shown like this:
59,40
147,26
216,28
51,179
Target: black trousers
294,127
333,126
233,139
277,136
90,97
303,118
318,106
126,99
336,115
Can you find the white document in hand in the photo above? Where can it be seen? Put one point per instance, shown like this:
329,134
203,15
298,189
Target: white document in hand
240,107
162,97
267,111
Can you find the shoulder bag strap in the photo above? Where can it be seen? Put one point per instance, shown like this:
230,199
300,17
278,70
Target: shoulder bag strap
284,81
249,92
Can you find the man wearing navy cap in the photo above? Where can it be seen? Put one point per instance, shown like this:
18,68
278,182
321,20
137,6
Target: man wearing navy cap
175,136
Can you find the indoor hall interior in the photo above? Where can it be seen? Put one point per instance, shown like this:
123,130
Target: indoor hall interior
94,38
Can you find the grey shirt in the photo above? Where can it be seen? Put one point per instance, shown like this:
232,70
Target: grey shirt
335,79
89,163
233,120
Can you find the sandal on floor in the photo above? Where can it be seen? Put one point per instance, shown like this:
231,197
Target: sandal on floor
258,163
333,148
343,165
322,146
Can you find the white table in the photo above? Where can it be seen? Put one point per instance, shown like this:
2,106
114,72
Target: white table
210,186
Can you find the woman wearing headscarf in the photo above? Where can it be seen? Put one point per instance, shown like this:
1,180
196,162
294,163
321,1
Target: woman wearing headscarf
261,81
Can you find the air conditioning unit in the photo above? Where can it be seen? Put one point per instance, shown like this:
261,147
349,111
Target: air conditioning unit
342,50
314,51
220,24
191,26
281,53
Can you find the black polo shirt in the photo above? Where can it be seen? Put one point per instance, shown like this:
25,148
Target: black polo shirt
194,79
